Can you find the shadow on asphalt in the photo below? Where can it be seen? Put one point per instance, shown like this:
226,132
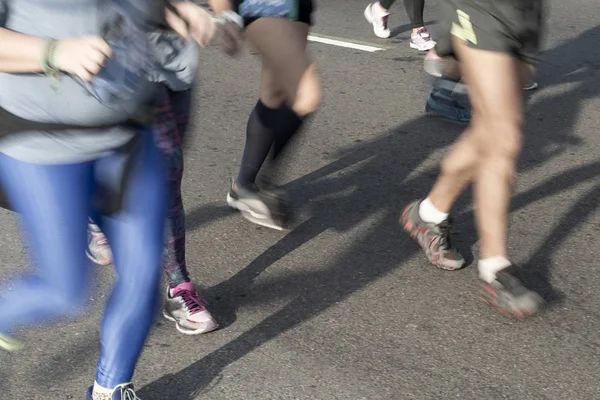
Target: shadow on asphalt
377,178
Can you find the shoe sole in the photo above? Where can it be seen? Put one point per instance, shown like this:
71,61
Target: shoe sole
370,20
250,215
416,47
186,331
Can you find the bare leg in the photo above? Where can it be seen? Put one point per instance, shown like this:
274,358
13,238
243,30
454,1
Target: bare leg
494,86
288,73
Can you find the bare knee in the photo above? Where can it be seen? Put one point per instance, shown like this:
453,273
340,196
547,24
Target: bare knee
308,95
500,139
271,97
463,157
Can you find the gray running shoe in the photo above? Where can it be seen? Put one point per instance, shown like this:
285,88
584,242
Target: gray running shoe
509,296
262,207
433,239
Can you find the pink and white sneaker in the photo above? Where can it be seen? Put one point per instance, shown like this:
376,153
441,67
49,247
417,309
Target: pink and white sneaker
188,310
421,40
98,250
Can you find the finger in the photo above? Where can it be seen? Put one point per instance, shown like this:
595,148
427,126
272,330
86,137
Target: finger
92,67
233,43
84,74
233,31
228,44
97,56
204,30
232,40
177,23
101,45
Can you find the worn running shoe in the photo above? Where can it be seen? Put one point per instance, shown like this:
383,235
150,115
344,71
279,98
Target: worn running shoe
433,239
509,296
9,344
421,40
98,250
442,103
262,207
379,20
121,392
188,310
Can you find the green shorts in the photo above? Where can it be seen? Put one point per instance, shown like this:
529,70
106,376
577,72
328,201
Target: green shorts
506,26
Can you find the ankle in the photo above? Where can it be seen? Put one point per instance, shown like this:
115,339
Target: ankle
430,213
101,393
242,184
488,267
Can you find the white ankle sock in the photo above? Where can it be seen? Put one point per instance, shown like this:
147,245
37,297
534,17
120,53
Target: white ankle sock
101,393
489,266
429,213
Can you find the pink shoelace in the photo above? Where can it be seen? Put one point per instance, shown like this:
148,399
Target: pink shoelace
192,301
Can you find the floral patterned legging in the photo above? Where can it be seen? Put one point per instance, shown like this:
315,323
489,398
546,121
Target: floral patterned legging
171,118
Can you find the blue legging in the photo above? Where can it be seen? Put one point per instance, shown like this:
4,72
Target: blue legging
55,202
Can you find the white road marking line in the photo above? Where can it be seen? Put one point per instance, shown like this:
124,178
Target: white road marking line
342,43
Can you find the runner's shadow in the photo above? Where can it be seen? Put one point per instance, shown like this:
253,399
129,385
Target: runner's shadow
205,214
371,183
365,184
365,181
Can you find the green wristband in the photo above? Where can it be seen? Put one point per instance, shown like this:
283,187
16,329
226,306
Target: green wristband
48,57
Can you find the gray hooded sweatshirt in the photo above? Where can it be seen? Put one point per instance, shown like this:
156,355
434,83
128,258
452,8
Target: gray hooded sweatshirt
37,97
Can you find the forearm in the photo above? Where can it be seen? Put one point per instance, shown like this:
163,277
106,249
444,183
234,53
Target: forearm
20,53
219,6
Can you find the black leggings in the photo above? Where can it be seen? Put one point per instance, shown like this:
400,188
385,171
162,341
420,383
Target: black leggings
414,10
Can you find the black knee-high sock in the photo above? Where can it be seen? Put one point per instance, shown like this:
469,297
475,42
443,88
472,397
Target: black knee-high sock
259,140
268,129
288,124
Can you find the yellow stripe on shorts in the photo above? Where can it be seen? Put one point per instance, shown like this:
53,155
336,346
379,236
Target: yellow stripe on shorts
464,31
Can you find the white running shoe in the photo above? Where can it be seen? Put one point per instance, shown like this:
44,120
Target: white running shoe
379,20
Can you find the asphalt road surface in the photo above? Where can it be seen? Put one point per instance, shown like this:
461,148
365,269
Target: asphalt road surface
345,306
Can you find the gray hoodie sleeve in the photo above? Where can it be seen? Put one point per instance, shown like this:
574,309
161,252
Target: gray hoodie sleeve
3,12
177,60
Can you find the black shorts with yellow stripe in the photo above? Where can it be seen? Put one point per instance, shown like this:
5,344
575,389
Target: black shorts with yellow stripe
506,26
305,11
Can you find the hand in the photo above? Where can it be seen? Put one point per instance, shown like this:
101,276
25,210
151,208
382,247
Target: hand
193,21
229,38
83,56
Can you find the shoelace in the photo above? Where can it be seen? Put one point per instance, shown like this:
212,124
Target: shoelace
445,227
192,301
384,21
129,394
98,235
103,241
424,33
